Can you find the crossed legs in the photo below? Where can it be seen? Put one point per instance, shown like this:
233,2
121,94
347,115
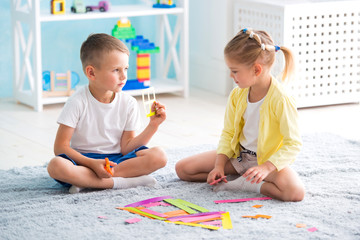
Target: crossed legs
284,185
146,162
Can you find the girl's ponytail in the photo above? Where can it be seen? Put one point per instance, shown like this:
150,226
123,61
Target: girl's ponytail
289,68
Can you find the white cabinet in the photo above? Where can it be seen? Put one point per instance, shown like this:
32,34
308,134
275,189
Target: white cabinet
27,47
324,36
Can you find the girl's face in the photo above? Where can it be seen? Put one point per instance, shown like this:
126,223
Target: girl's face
242,74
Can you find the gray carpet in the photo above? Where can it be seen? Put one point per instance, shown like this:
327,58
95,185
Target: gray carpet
33,206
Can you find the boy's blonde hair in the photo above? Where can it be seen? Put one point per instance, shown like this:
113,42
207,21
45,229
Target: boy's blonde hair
248,46
96,45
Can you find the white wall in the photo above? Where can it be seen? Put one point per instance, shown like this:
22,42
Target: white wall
211,27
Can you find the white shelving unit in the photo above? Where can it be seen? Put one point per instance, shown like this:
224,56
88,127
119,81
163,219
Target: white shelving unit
27,47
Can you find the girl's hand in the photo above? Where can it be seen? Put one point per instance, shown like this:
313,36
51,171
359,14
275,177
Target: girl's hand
216,173
259,173
160,113
97,165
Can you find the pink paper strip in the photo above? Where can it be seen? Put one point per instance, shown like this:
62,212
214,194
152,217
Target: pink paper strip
242,200
174,219
153,212
218,180
200,218
133,220
313,229
151,200
155,204
212,223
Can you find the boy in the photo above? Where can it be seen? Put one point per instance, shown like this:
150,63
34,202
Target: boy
99,121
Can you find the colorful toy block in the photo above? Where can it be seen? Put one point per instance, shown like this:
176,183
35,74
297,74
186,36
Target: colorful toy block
57,7
143,47
164,4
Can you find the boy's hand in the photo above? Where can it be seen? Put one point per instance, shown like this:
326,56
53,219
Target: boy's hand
160,113
215,174
98,167
259,173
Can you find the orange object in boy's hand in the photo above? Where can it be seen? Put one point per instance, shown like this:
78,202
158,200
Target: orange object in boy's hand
107,167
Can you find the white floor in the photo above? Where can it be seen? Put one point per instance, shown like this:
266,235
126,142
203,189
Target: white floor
26,136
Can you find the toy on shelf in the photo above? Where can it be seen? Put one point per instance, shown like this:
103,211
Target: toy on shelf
57,7
103,6
59,84
143,47
164,4
78,6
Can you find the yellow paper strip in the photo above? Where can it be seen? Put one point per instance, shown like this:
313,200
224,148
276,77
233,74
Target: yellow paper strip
226,220
196,225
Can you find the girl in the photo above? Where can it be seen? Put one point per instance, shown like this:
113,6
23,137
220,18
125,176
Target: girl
260,138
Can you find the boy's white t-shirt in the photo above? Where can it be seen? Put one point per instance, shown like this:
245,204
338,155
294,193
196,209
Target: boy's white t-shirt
250,132
99,126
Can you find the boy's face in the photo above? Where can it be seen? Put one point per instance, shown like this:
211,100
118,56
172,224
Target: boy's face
112,74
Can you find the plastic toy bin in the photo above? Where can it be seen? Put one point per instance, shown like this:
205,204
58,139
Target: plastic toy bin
325,39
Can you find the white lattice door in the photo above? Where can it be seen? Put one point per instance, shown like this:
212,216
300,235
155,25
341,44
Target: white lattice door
27,59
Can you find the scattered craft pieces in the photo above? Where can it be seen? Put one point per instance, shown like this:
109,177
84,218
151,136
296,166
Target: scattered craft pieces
178,204
151,200
102,217
218,180
149,102
226,221
175,213
107,167
242,200
190,214
313,229
257,206
219,223
193,206
258,216
194,215
196,225
135,210
154,213
300,225
155,204
133,220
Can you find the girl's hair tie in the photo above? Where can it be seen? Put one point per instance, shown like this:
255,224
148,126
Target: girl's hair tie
244,30
251,34
277,48
263,47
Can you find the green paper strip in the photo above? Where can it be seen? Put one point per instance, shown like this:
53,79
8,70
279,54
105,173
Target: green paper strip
193,206
176,203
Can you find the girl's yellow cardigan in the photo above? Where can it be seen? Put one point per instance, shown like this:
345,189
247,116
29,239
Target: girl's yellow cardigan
279,139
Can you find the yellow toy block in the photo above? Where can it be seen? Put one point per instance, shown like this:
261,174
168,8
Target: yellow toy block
143,73
54,9
124,23
143,61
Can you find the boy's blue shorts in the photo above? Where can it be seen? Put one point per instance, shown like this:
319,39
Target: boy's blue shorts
114,157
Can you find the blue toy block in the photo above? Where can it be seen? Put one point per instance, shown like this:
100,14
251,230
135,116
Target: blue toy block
134,84
158,5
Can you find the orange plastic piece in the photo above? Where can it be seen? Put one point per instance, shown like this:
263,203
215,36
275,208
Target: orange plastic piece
107,167
207,220
258,216
257,206
176,213
300,225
